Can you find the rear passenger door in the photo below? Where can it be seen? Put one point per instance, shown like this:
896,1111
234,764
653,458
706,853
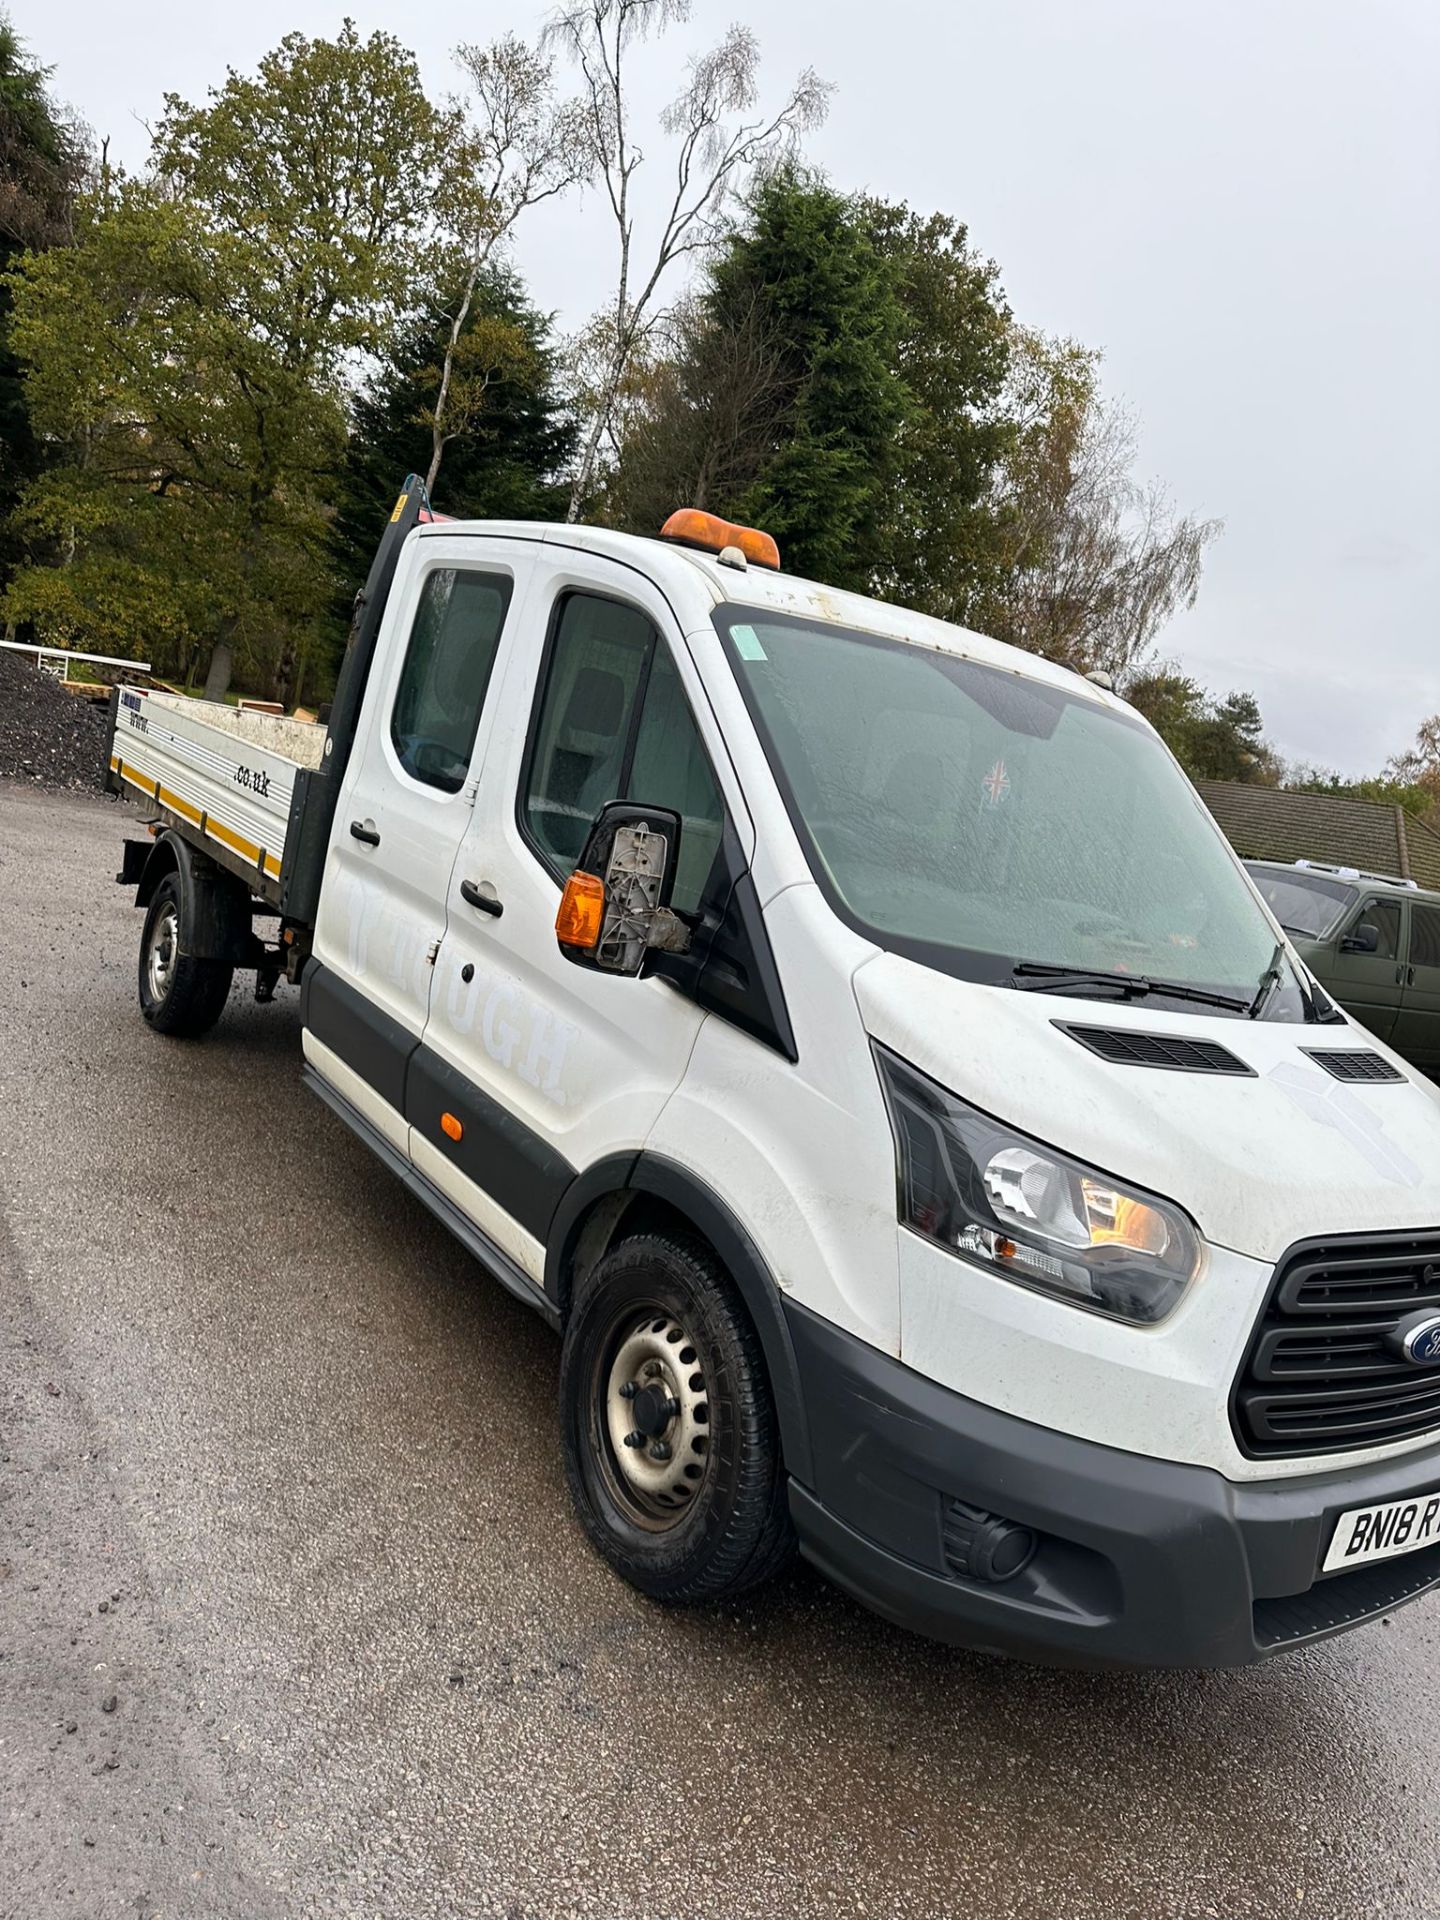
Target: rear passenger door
1369,984
548,1066
1417,1031
403,810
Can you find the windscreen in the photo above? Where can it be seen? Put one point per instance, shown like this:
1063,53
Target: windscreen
972,818
1305,905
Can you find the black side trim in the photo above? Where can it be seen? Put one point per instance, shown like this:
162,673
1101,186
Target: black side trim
652,1173
608,1176
497,1263
496,1150
365,1038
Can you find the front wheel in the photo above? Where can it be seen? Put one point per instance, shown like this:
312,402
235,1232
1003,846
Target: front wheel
179,994
671,1445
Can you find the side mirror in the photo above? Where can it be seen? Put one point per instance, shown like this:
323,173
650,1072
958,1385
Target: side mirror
1363,939
616,905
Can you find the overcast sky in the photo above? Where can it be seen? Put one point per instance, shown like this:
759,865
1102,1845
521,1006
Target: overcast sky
1235,199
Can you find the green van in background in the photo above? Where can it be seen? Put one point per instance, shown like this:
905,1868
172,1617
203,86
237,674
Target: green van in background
1373,942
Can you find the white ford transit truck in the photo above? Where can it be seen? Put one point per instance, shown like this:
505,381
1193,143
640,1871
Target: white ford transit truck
857,1040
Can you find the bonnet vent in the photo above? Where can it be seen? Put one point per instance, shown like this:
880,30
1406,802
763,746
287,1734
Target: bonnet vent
1129,1049
1351,1063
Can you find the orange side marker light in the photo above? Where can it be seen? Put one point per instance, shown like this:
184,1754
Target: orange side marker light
451,1126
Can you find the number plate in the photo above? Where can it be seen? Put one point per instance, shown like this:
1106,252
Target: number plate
1379,1533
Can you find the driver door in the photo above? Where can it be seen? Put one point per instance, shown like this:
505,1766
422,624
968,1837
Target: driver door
1368,985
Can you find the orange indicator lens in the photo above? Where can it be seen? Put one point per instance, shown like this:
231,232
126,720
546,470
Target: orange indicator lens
582,911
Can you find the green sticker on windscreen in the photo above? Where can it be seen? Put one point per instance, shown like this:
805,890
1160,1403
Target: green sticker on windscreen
747,643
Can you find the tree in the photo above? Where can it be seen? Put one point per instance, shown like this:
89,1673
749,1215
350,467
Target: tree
1414,798
1213,739
1419,767
191,350
187,503
1091,561
695,421
505,455
806,262
720,140
941,545
523,149
785,401
43,154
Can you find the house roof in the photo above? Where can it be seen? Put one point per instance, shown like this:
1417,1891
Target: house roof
1262,823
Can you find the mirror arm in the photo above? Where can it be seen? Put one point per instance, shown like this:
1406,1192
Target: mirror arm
668,933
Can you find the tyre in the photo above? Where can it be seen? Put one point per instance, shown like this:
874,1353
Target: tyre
179,994
672,1450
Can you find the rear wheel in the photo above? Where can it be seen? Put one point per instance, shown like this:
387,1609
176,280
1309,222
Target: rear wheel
179,994
671,1446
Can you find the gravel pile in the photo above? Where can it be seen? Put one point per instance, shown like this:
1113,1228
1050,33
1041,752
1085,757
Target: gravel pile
48,738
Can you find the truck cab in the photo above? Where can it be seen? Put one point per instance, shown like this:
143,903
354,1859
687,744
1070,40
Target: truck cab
855,1037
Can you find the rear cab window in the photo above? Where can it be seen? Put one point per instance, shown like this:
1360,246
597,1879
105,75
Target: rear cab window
449,658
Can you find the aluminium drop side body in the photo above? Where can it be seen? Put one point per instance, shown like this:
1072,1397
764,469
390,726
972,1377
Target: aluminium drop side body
1149,1450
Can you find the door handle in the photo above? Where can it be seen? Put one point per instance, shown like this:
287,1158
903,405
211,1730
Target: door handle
486,902
361,830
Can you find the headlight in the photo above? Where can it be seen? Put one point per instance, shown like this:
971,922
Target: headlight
1022,1209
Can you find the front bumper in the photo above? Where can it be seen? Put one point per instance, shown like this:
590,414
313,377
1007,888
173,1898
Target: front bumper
1140,1562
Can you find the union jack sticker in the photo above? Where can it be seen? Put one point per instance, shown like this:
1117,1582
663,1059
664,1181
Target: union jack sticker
996,785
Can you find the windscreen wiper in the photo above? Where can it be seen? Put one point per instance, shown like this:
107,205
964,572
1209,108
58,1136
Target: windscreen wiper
1318,1008
1269,981
1041,976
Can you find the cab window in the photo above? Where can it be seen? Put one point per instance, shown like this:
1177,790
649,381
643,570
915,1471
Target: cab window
448,662
1425,937
1384,916
1305,904
613,723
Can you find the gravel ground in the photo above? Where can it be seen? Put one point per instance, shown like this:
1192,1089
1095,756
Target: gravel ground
48,738
362,1664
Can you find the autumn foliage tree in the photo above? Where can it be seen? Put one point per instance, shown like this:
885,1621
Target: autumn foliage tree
190,352
1091,562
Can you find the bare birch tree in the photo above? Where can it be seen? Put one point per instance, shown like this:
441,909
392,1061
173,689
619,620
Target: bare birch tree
720,140
522,147
1092,561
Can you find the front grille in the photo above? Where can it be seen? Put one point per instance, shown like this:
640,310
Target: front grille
1319,1376
1352,1063
1129,1049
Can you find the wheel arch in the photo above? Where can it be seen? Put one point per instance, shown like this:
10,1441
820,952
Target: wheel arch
617,1194
214,904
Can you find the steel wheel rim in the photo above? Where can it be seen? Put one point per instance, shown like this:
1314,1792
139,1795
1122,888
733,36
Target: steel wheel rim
657,1481
163,952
